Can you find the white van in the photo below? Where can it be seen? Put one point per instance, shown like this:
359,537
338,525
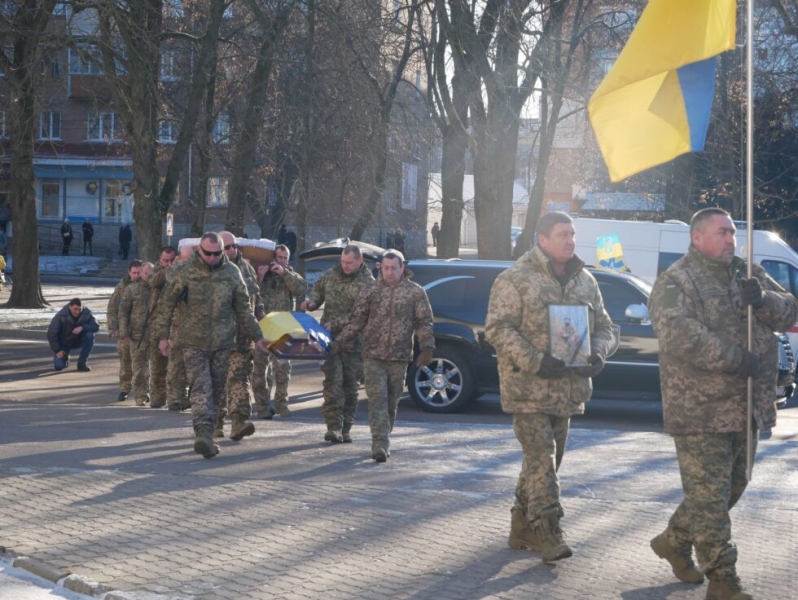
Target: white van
650,248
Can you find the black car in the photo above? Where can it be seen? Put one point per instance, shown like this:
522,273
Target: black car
465,365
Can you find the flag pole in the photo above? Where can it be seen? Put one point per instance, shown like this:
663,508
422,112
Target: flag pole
749,210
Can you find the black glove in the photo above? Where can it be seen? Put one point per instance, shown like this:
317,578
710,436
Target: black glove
551,368
596,362
749,365
751,293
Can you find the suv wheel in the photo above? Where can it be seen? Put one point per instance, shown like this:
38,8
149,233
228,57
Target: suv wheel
445,385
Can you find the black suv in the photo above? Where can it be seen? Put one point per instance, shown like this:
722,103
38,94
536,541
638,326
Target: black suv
465,366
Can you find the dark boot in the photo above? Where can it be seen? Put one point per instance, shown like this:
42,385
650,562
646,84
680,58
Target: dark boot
203,444
265,411
241,429
521,535
681,562
218,432
727,588
547,530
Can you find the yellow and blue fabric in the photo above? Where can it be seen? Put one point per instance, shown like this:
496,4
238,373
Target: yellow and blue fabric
654,103
281,325
609,253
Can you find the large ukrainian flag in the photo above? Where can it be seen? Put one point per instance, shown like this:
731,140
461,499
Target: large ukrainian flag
654,103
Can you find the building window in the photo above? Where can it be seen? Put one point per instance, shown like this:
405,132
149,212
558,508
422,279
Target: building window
221,129
174,9
169,69
50,200
167,133
50,125
3,130
217,191
85,61
103,127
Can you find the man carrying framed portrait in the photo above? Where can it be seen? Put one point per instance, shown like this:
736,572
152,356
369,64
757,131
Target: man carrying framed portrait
547,321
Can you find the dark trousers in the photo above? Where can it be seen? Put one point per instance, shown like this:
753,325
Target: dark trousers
85,342
85,242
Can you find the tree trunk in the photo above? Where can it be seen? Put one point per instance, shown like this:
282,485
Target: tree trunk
204,143
455,140
379,156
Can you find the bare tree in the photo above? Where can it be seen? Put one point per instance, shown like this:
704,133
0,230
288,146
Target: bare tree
23,34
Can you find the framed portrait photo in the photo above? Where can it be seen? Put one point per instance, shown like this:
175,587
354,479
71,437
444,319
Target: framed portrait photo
569,334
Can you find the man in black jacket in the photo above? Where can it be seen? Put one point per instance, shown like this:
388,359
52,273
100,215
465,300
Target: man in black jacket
72,327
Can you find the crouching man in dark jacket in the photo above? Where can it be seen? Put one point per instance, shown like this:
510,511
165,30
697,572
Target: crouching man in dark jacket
72,327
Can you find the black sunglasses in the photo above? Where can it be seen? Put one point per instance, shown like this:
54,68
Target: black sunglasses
230,246
209,253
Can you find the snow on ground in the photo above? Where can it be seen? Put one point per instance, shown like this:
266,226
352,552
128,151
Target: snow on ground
65,265
18,584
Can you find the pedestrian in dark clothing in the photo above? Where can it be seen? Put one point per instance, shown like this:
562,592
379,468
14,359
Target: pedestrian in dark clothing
71,328
125,238
66,236
389,239
281,235
88,233
435,232
399,240
290,241
5,216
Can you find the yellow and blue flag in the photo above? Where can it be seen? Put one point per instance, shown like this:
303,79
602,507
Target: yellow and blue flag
609,253
295,335
655,101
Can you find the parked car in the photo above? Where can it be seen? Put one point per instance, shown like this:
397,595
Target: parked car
464,365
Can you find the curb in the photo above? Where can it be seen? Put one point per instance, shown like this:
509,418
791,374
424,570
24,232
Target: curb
75,583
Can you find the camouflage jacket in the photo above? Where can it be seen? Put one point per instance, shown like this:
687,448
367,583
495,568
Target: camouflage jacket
210,302
280,292
517,325
701,325
134,310
388,317
338,292
243,341
113,304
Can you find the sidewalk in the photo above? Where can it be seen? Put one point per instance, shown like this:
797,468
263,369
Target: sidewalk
115,494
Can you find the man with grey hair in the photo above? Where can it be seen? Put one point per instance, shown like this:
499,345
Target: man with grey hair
699,309
338,289
211,298
537,388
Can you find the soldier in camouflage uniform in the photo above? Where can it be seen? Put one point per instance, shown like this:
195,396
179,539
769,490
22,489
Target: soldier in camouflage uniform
122,348
338,290
211,298
537,388
280,286
134,309
389,312
176,382
698,310
238,398
159,363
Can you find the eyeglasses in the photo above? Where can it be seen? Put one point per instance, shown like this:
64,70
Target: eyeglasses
230,246
210,253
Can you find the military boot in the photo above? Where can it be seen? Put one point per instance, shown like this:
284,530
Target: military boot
726,588
681,562
218,431
265,411
345,435
547,530
203,444
521,535
241,429
333,435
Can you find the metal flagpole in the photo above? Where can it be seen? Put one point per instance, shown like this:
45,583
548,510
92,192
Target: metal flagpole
749,211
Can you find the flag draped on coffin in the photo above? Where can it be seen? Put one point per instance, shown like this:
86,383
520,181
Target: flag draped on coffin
654,103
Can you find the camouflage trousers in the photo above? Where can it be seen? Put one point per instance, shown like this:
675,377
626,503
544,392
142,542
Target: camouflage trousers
237,402
140,357
159,365
342,373
270,373
176,376
125,366
385,381
542,438
712,467
206,371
